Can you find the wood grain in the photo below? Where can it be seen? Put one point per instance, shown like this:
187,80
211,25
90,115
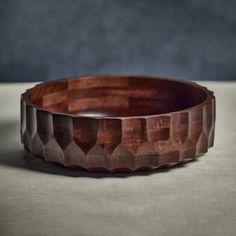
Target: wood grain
117,123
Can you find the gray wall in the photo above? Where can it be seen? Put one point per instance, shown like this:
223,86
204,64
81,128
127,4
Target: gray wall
50,39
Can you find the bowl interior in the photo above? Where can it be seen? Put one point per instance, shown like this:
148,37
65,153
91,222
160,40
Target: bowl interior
116,96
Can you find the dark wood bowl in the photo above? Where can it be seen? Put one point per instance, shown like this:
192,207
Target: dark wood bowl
117,123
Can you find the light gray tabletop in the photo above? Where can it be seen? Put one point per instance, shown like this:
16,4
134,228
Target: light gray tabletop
39,198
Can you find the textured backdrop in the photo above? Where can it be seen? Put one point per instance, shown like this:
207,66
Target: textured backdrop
44,40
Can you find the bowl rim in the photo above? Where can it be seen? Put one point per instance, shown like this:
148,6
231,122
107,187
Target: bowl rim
209,96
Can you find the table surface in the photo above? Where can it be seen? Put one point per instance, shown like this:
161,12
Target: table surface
39,198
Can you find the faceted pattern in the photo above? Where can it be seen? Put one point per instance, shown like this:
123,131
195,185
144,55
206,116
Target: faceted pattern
116,144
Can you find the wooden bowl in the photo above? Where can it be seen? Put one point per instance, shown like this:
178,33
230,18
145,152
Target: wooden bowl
117,123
